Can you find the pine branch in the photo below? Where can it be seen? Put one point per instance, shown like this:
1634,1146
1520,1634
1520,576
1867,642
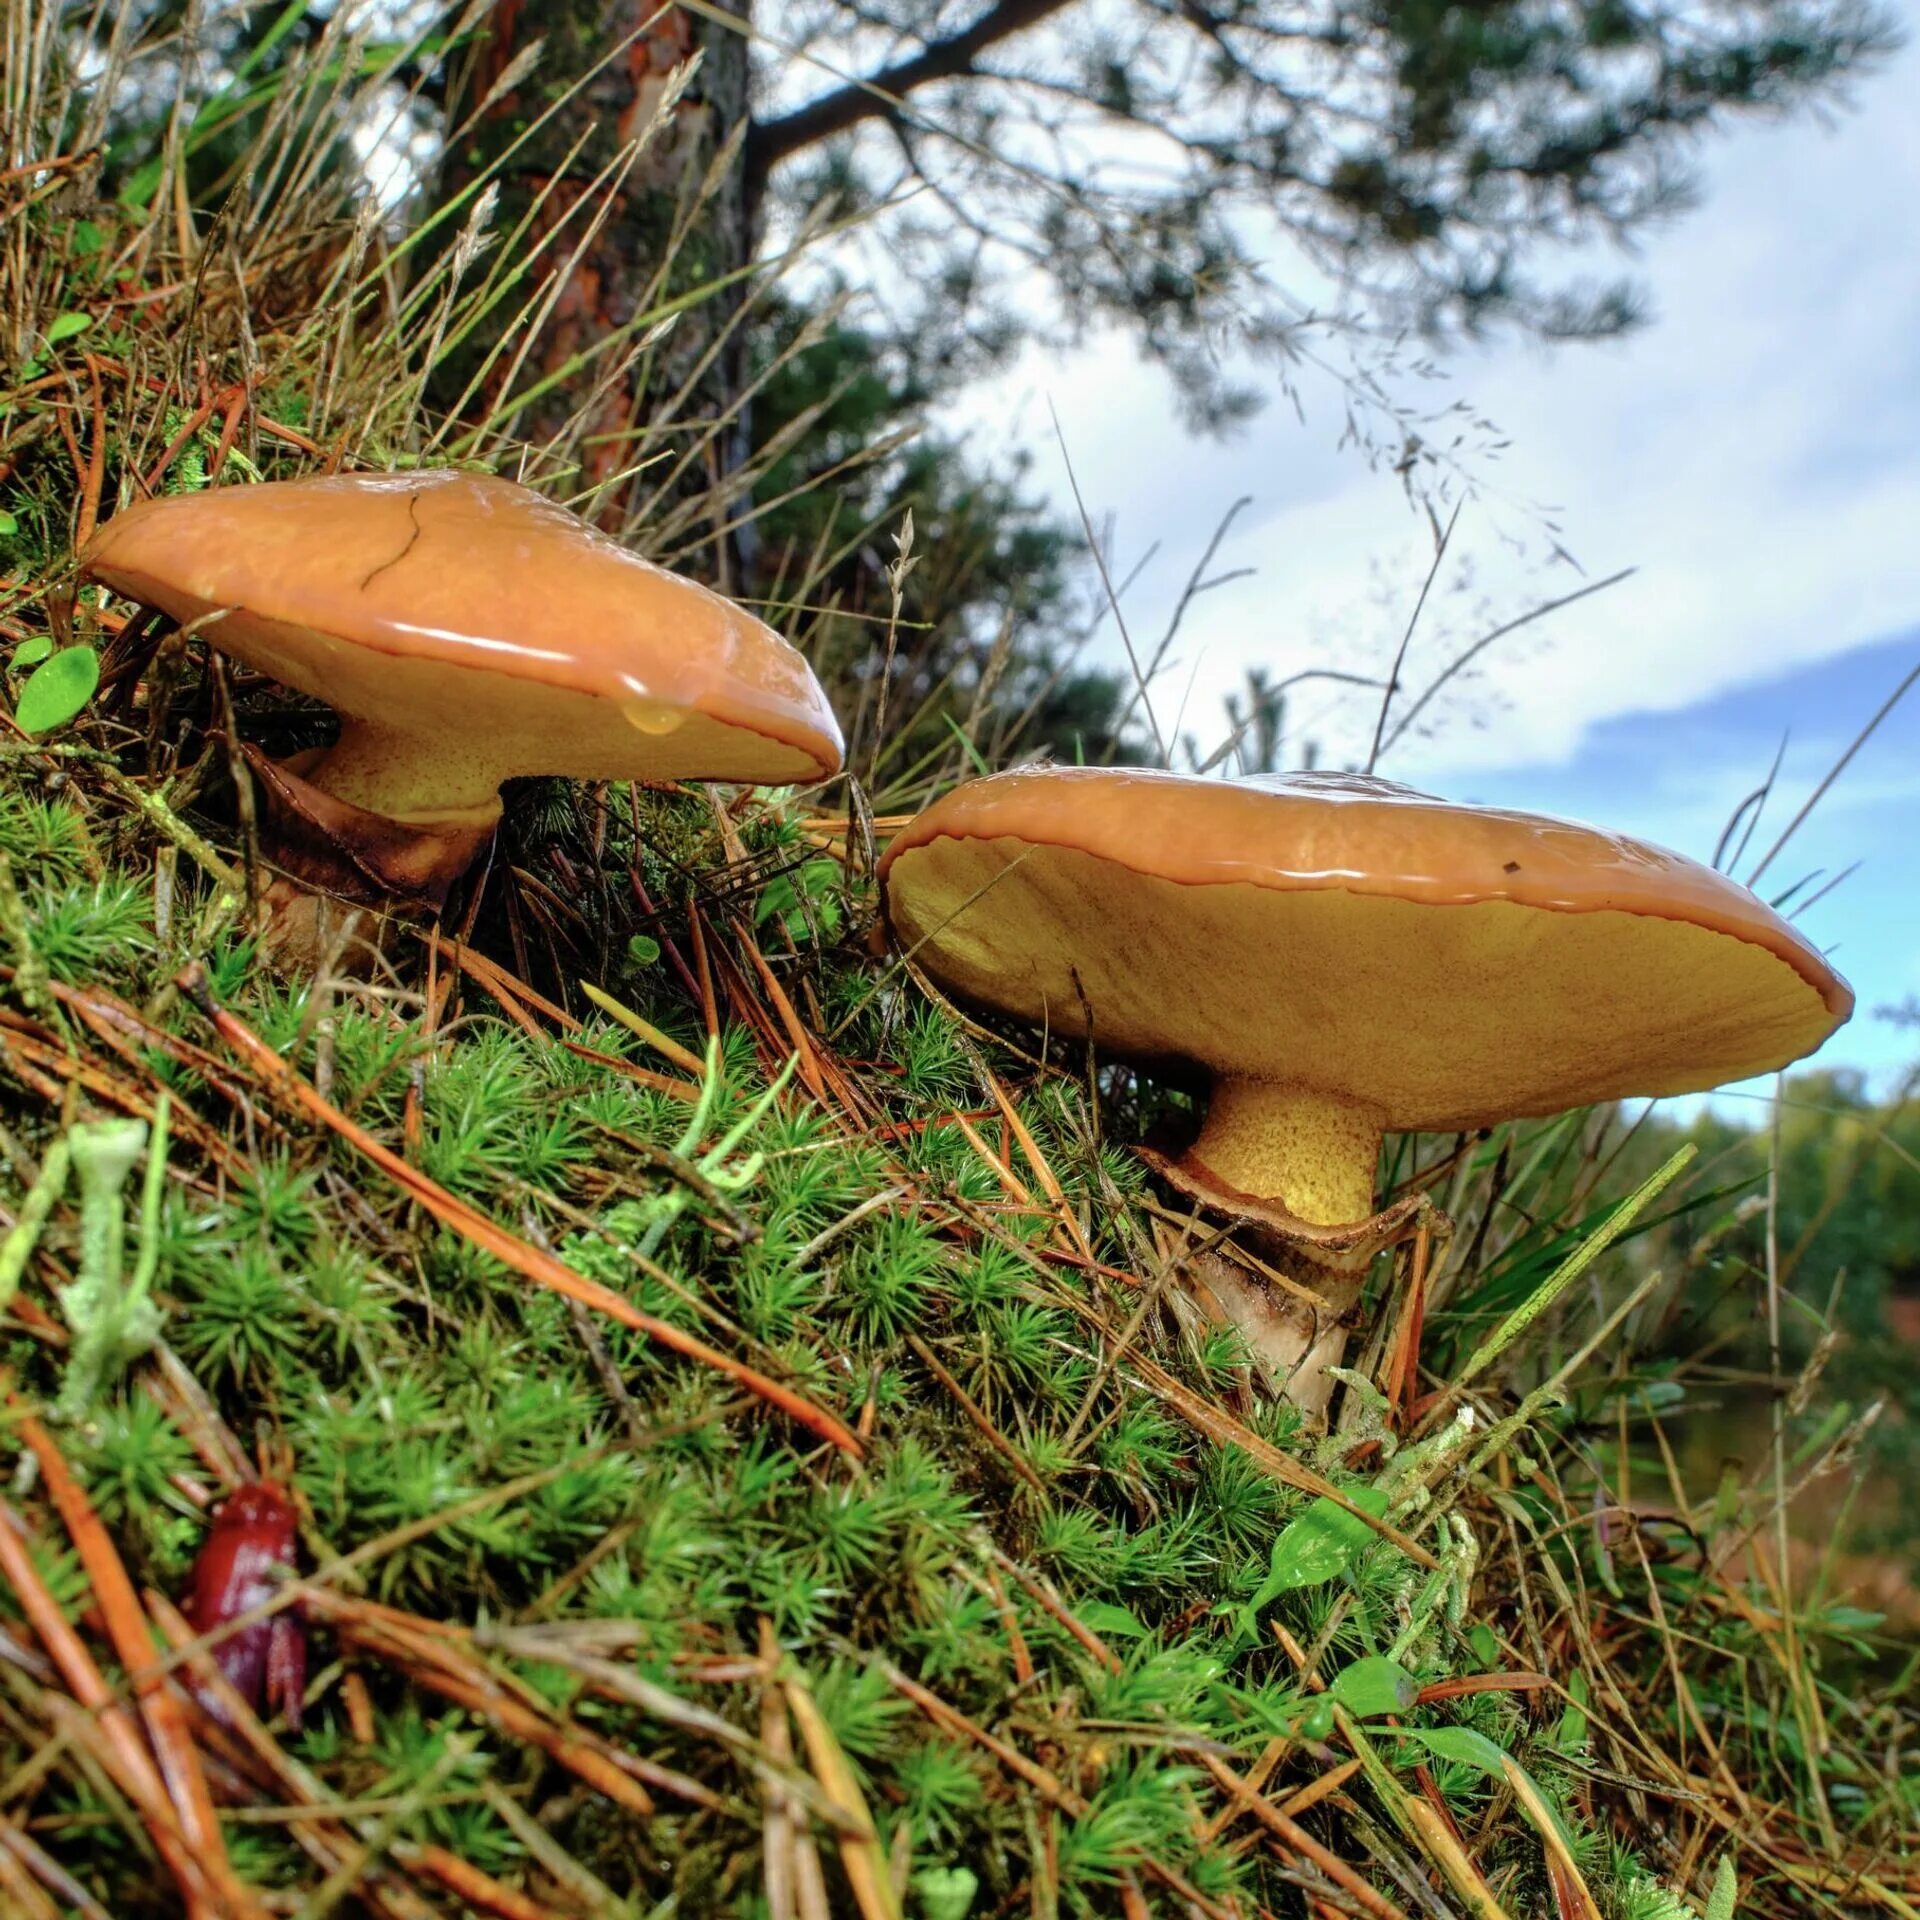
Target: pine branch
879,95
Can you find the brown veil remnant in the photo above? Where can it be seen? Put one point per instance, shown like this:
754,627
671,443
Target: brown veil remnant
1343,957
466,631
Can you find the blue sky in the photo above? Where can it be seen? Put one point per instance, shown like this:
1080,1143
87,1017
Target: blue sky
1754,453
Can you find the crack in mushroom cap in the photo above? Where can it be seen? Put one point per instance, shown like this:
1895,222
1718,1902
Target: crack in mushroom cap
468,611
1447,966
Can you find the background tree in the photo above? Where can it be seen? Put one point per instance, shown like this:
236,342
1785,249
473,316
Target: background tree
1054,163
627,122
989,628
1847,1231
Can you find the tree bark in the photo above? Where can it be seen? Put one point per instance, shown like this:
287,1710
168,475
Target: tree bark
628,49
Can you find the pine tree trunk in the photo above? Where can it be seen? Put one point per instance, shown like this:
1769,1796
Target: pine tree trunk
631,47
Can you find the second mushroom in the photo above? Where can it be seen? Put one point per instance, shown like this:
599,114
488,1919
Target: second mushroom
1339,957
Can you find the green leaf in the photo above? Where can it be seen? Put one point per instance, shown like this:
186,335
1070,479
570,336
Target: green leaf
1847,1620
1726,1890
1459,1744
945,1893
1375,1685
8,524
1319,1545
1485,1643
63,326
1108,1621
29,653
1470,1749
57,689
85,240
1571,1734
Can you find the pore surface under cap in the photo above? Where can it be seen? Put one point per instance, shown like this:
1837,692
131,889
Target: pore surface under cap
472,612
1443,966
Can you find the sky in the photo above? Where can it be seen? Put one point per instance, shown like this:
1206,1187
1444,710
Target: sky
1753,452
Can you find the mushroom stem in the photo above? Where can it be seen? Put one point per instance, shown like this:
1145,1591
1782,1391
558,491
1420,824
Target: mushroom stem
401,777
323,844
1313,1153
302,931
1292,1343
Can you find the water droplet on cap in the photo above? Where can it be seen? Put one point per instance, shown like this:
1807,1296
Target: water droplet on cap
652,716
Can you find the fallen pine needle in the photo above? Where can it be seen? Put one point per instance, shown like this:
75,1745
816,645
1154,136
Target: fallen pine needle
180,1769
682,1057
133,1766
861,1855
480,1891
1295,1839
1551,1838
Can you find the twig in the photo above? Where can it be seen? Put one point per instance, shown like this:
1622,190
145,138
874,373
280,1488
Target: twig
49,1872
861,1857
682,1057
132,1764
832,1231
184,1777
1749,811
328,1834
1461,661
1113,599
1295,1839
988,1431
480,1891
432,1663
1406,639
1040,1591
1197,584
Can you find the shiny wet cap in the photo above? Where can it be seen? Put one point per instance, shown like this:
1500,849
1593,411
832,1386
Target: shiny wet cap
471,611
1444,966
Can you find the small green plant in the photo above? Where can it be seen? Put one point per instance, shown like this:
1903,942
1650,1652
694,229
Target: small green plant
58,688
945,1893
112,1313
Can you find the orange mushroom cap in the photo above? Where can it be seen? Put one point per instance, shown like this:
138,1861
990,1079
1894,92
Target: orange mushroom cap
1437,966
483,629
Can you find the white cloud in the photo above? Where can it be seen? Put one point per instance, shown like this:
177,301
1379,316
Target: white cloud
1755,452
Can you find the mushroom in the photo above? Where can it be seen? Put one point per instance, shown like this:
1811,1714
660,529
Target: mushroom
466,631
1342,957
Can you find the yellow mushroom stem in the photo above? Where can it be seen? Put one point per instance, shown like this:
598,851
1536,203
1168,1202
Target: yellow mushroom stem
422,780
1315,1154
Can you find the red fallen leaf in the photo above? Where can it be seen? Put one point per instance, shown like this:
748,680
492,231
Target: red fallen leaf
251,1547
